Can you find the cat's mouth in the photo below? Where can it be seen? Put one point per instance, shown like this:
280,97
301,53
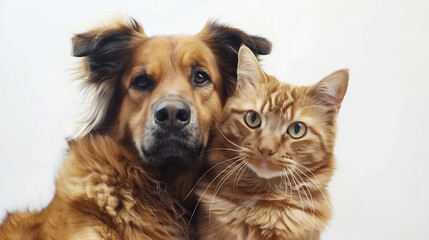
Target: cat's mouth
265,170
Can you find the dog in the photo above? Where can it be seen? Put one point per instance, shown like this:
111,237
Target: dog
154,101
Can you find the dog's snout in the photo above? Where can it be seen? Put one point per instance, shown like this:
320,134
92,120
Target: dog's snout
172,114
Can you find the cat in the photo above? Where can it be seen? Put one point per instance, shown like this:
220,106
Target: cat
271,158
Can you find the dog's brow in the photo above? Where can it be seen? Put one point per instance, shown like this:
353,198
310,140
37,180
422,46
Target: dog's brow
138,70
199,64
195,63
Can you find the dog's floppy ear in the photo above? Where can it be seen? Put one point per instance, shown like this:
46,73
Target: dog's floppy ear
104,50
225,42
106,47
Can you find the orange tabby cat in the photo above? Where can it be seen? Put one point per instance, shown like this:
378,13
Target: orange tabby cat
271,158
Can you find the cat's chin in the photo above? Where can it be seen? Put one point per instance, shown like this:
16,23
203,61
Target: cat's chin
263,171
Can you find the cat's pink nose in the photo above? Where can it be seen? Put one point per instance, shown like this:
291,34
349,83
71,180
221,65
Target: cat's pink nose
266,152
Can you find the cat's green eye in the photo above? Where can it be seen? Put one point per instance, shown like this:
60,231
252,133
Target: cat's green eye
297,130
252,119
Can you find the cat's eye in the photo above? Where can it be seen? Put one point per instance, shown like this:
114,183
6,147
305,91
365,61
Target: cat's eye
297,130
252,119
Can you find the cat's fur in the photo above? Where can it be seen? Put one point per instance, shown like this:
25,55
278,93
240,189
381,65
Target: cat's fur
261,183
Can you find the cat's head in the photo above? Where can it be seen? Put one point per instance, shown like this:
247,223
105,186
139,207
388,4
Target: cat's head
278,128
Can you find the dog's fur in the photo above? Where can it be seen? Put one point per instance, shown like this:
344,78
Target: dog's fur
111,183
102,192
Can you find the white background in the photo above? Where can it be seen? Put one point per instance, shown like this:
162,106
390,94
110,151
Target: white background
380,188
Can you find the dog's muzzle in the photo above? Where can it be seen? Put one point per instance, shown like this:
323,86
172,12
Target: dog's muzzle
172,115
171,134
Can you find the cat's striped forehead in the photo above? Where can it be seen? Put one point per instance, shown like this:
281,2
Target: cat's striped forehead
280,99
277,99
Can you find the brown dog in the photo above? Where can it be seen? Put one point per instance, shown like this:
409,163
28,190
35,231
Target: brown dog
154,102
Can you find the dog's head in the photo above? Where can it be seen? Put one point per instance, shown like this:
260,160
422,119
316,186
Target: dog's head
160,94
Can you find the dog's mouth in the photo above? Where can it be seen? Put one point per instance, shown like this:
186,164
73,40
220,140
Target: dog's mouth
172,134
172,150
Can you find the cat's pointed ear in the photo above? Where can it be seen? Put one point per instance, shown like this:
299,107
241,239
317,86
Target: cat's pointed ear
330,91
249,72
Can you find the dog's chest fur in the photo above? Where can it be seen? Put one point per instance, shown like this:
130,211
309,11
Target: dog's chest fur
130,201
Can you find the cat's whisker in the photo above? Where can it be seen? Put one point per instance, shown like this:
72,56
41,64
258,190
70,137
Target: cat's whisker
288,181
205,190
291,189
196,184
239,173
226,176
301,186
302,183
311,196
283,178
247,151
221,182
217,127
227,149
317,185
307,170
297,188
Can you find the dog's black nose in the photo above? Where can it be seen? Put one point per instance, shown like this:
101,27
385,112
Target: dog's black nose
172,114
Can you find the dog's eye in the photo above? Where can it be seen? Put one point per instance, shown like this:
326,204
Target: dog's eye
201,78
142,83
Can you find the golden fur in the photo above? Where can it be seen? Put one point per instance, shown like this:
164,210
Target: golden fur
102,192
260,182
108,186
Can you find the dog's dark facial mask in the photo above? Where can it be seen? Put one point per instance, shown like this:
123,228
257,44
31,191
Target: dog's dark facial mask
162,94
172,133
